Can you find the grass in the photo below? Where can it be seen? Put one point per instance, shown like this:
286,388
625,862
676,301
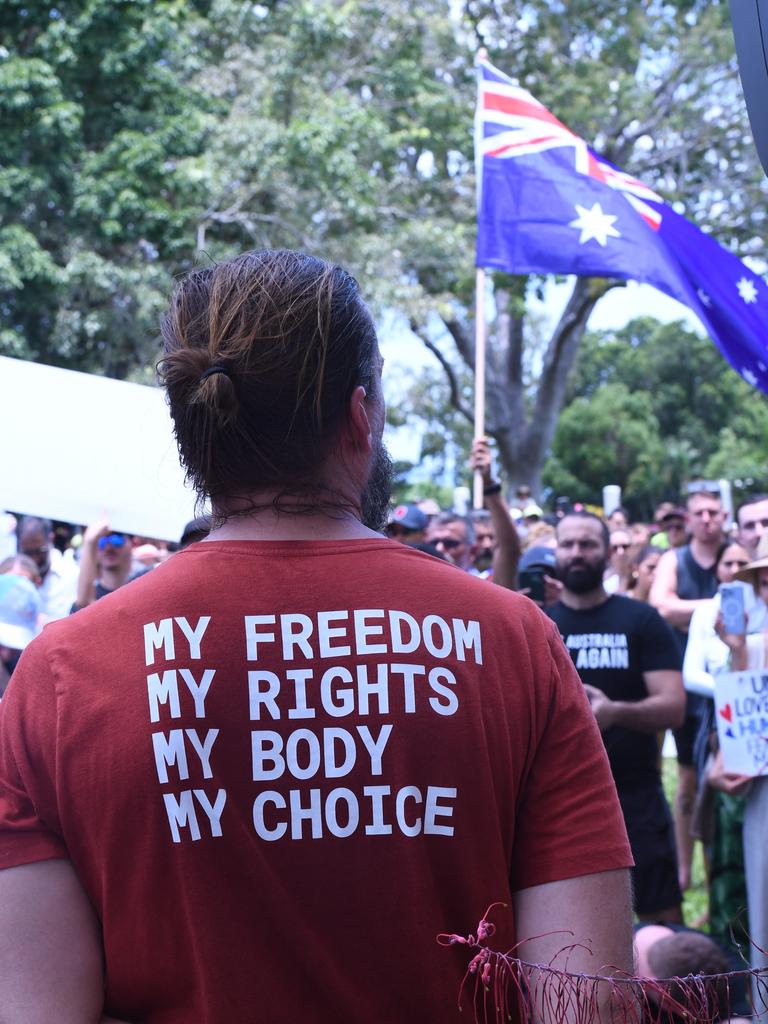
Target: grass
695,901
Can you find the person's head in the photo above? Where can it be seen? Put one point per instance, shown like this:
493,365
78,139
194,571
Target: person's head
272,370
620,546
752,522
640,533
21,565
673,521
756,570
644,566
454,536
582,551
540,535
115,554
618,519
36,541
485,539
196,529
705,517
731,558
407,524
679,955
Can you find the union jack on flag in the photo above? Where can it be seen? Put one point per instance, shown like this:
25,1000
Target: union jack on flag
547,203
523,125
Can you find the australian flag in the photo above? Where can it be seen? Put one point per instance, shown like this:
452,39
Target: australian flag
550,204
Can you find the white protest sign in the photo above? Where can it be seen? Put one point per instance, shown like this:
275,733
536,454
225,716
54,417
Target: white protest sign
78,447
741,710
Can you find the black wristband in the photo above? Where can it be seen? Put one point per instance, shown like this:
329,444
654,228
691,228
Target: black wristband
492,489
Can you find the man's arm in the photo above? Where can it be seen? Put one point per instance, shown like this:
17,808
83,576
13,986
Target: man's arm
663,708
663,595
51,964
597,911
507,553
89,563
506,557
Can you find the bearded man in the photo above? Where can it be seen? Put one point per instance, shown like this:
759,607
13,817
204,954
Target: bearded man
629,663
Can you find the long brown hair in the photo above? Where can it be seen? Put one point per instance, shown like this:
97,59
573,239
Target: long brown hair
262,353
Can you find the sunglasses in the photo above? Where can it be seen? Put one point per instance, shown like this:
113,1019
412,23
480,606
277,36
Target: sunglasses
115,540
448,543
619,547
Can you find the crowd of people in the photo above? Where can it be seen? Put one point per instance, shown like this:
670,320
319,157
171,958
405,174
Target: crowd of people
633,658
649,664
396,739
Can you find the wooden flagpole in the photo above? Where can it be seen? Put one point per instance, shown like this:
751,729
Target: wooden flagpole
477,497
477,502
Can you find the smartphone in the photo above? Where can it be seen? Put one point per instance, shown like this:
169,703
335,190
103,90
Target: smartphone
532,580
732,607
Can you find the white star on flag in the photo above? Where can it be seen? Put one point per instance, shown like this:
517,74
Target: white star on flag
747,290
594,224
749,377
762,367
705,299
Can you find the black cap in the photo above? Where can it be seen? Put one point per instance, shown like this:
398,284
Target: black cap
538,558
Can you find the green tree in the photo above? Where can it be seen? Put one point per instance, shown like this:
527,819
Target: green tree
679,394
138,133
610,437
102,133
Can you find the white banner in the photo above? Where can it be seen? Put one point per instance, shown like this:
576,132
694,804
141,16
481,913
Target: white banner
741,710
78,447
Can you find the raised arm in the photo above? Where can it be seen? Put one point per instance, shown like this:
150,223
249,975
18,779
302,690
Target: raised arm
507,553
89,563
597,912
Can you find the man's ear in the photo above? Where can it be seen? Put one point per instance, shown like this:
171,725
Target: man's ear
359,424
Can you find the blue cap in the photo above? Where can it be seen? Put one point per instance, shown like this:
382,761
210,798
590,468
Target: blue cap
538,558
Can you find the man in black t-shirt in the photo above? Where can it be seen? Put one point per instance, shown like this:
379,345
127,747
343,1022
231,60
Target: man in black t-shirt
630,664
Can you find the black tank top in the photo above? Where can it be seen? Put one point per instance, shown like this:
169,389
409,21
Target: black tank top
693,580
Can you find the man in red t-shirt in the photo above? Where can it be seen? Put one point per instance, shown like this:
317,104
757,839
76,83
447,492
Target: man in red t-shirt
257,782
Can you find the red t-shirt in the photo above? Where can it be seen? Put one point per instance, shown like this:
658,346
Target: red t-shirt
280,769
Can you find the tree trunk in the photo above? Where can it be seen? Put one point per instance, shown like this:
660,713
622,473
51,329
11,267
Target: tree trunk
524,425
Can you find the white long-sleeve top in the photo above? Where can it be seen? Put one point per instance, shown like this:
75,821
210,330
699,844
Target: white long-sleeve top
705,652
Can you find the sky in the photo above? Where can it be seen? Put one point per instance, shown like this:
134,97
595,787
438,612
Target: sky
405,355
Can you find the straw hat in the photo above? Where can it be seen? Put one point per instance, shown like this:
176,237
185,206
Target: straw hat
749,573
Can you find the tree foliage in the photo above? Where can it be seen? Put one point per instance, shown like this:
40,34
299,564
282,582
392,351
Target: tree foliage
143,135
101,134
650,407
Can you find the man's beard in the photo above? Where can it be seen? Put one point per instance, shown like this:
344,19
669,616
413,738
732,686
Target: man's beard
582,578
484,559
374,501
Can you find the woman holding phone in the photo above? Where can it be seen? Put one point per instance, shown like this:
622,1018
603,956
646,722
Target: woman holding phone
718,816
749,651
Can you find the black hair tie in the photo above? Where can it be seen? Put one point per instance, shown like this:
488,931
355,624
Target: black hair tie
216,368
